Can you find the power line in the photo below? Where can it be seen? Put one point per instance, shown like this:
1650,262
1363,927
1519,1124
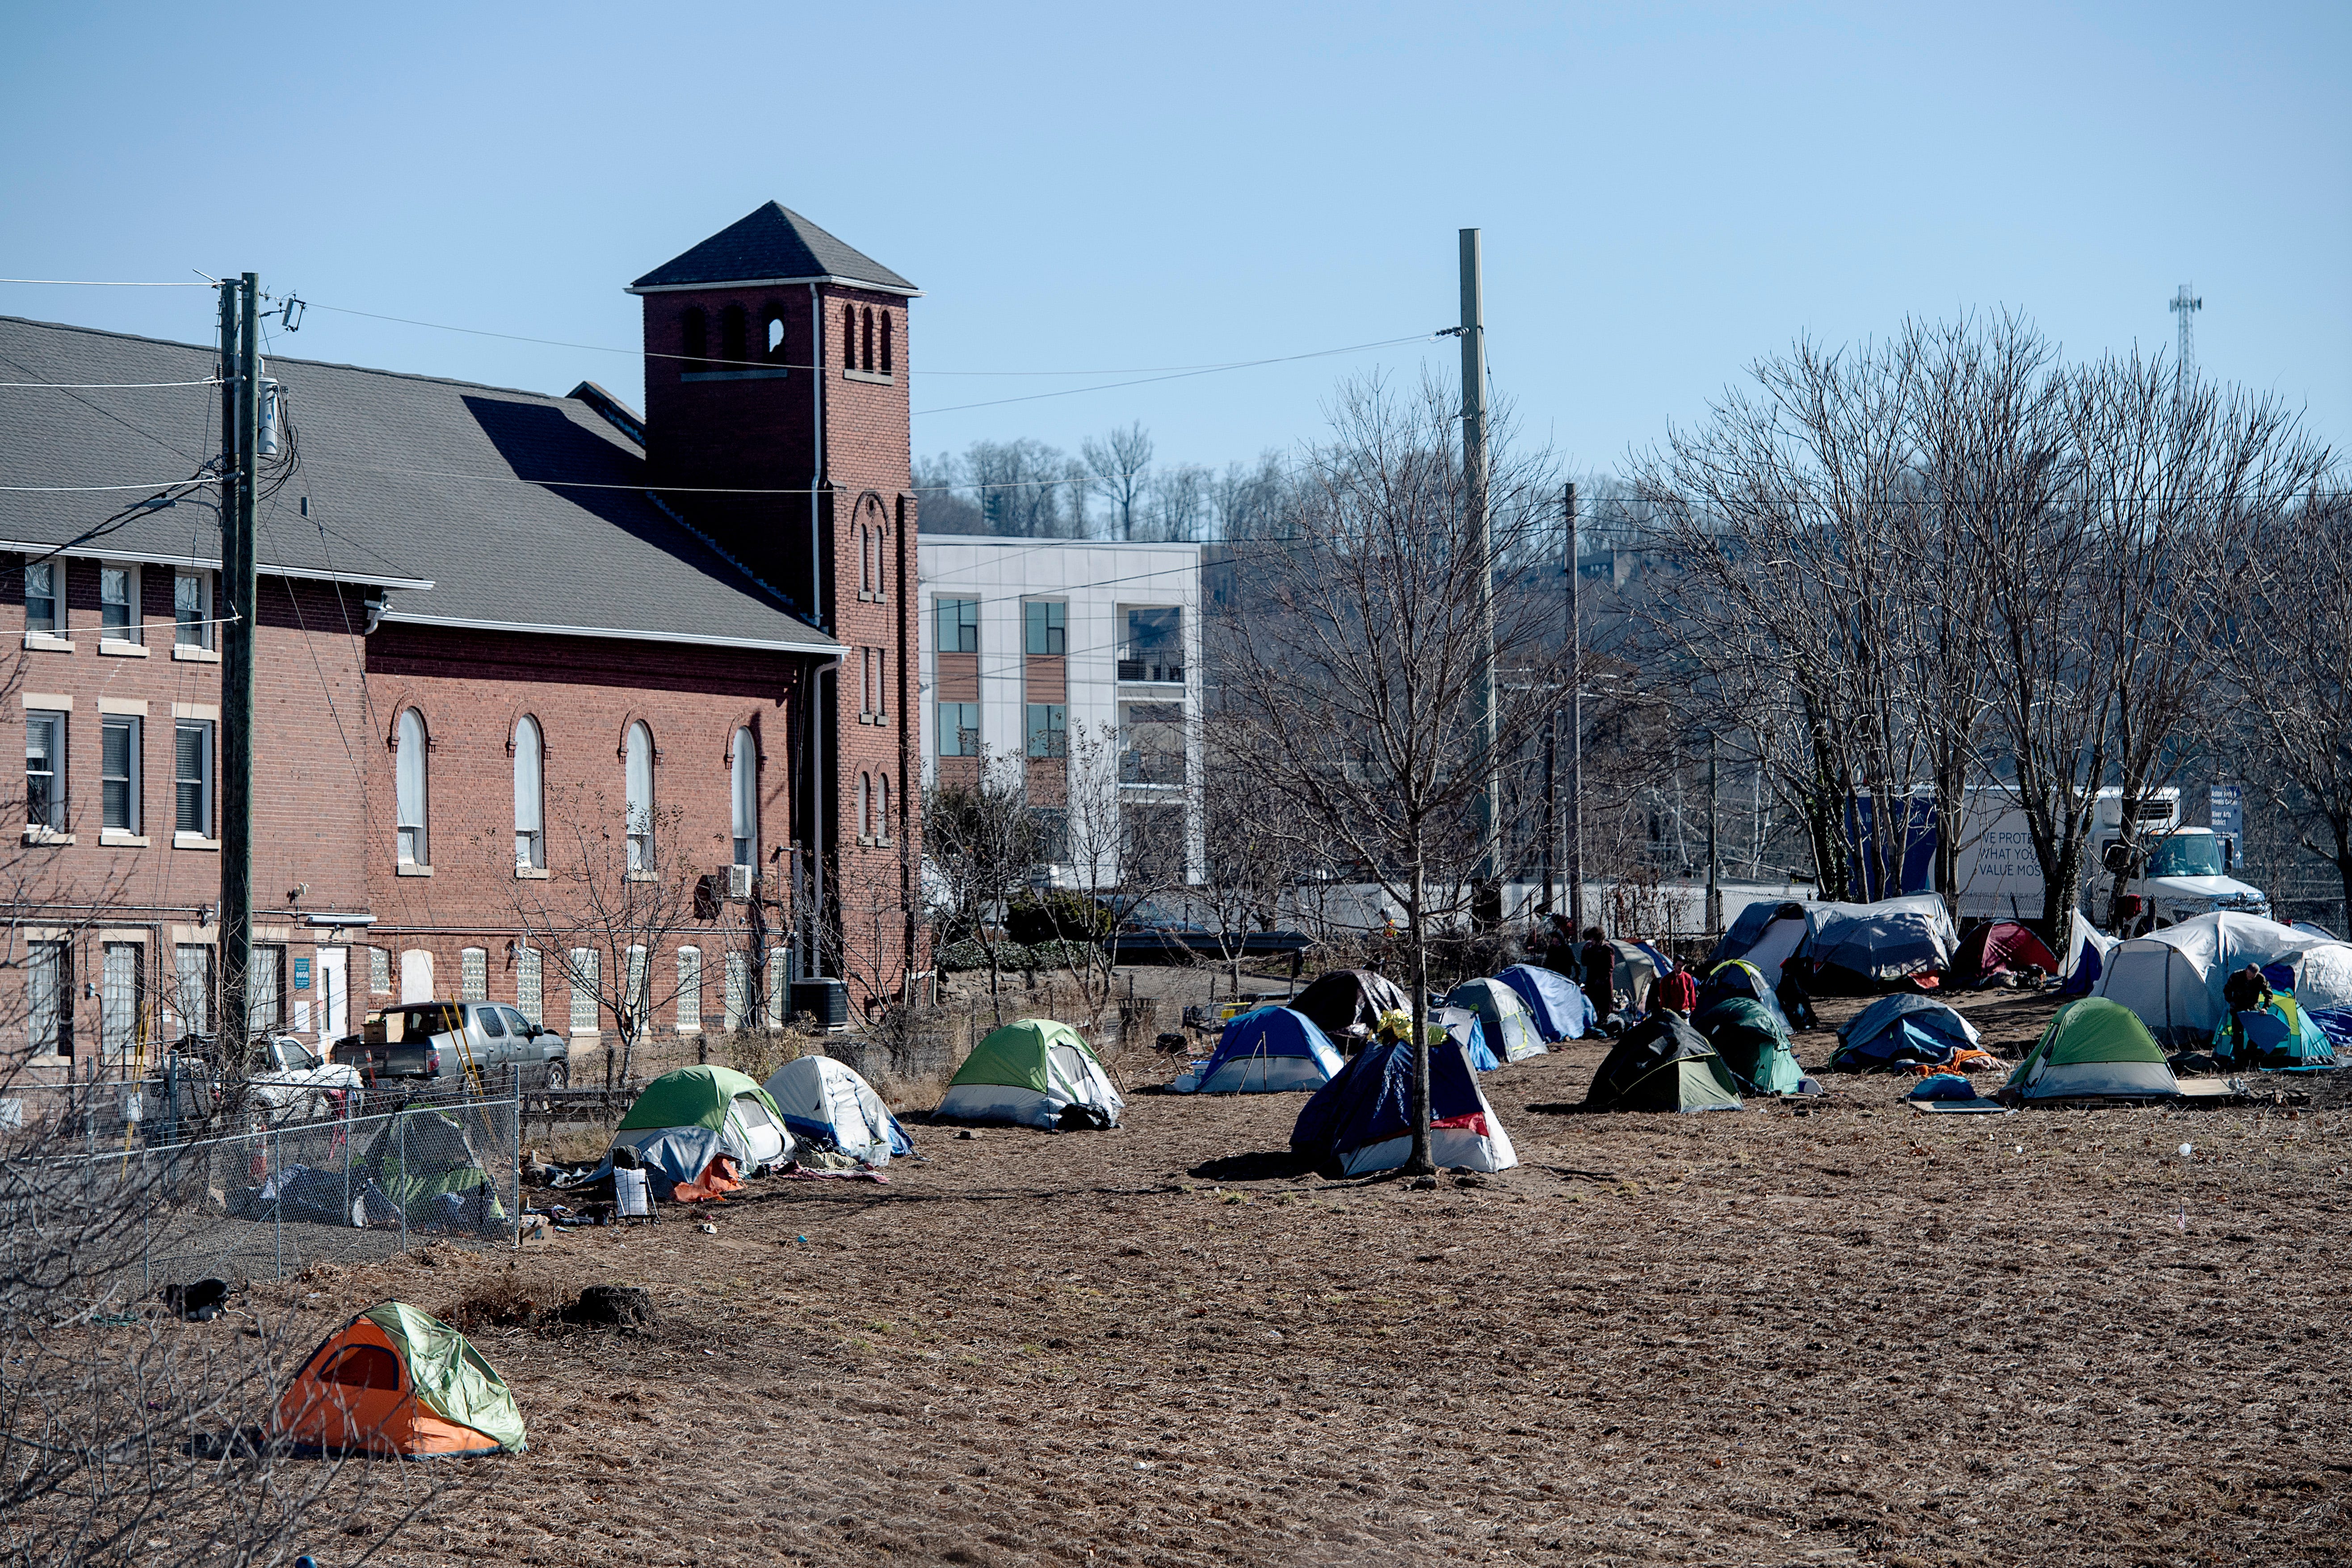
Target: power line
1181,375
104,385
98,283
85,490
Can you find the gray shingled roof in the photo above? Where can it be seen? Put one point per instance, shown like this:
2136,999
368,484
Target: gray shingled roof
773,243
413,482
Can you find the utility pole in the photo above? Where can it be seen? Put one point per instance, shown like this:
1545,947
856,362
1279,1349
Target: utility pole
1714,855
2185,304
1575,854
1486,911
241,433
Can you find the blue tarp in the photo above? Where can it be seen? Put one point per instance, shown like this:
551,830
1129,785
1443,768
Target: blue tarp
1266,1049
1372,1099
1901,1028
1561,1010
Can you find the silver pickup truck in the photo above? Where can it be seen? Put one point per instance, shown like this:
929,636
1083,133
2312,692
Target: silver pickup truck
436,1040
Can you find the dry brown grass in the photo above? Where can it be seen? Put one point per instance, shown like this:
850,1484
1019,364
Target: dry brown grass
1859,1336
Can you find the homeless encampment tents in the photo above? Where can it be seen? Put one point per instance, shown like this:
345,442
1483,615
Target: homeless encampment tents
1754,1046
2093,1049
1264,1050
1362,1121
2268,1030
1860,948
1637,969
827,1103
1503,1017
1033,1072
1557,1004
399,1383
690,1118
1998,948
1346,1005
427,1164
2086,954
2173,979
1900,1030
1738,977
1766,934
1661,1064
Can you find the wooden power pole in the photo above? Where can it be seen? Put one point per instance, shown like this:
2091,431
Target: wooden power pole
241,433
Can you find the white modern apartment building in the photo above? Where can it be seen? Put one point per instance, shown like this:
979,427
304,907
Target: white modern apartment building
1076,662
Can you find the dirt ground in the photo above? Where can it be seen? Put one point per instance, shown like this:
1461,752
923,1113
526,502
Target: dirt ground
1853,1336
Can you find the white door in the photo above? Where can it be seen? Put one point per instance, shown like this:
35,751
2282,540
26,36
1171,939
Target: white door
415,975
334,1002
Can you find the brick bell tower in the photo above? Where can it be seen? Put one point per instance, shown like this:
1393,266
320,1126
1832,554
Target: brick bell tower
777,423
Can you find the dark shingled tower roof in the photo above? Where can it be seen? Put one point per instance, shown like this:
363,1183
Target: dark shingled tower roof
774,244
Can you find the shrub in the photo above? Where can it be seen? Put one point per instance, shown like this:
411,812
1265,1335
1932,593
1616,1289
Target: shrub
1061,915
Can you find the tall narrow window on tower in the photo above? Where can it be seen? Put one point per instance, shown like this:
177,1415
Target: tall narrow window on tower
694,335
775,333
731,348
886,344
866,360
849,337
744,798
409,802
639,781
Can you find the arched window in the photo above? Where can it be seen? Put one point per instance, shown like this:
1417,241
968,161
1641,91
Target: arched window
882,807
865,567
865,808
849,337
881,559
744,768
529,779
730,338
867,361
409,802
640,771
775,333
695,335
886,344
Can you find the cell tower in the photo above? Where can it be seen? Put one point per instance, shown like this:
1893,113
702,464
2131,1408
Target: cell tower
2185,304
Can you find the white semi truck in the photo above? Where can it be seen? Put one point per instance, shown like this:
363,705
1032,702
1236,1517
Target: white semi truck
2185,870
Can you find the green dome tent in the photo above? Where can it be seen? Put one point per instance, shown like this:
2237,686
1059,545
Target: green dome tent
1033,1072
1661,1064
2094,1048
1754,1047
1503,1017
688,1117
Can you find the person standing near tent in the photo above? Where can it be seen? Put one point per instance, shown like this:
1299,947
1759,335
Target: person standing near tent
1599,975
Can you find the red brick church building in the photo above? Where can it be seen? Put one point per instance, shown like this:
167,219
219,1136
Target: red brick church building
523,660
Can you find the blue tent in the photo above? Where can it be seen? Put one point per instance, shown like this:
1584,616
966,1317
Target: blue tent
1901,1028
1560,1008
1461,1026
1266,1049
1361,1120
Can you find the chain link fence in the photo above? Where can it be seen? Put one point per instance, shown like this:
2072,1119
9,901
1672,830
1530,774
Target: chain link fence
265,1203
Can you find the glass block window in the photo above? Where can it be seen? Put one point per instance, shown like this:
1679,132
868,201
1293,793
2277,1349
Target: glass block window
473,974
526,983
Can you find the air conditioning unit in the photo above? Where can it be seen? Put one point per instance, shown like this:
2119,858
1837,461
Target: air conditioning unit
738,881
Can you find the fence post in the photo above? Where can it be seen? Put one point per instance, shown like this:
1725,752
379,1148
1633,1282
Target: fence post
514,1146
278,1203
400,1152
347,1098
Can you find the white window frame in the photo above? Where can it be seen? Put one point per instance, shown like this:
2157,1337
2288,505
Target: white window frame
48,997
113,723
529,983
54,723
379,971
743,797
412,793
132,633
119,997
473,974
191,986
735,998
204,728
53,570
194,637
529,796
689,990
580,968
638,759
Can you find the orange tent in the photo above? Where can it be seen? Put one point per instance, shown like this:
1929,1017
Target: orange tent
398,1382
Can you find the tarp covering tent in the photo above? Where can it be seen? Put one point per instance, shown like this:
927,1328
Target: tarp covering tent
2280,1034
1346,1005
2001,947
1740,977
1362,1121
1868,946
1267,1049
2093,1048
427,1164
690,1117
1900,1029
827,1103
2173,978
1766,935
1661,1064
399,1383
1754,1046
1560,1009
1033,1072
1637,969
1461,1025
2086,954
1503,1017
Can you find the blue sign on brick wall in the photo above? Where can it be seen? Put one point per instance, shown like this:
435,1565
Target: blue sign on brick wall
302,975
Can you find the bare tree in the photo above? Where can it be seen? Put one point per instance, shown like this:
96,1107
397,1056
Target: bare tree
983,840
2289,649
1247,501
1353,675
1121,463
1178,502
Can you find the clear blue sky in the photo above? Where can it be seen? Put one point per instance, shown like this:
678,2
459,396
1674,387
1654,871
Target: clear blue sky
1666,190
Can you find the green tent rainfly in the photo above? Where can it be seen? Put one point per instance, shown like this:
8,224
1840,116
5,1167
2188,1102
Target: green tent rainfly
2094,1048
1034,1072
